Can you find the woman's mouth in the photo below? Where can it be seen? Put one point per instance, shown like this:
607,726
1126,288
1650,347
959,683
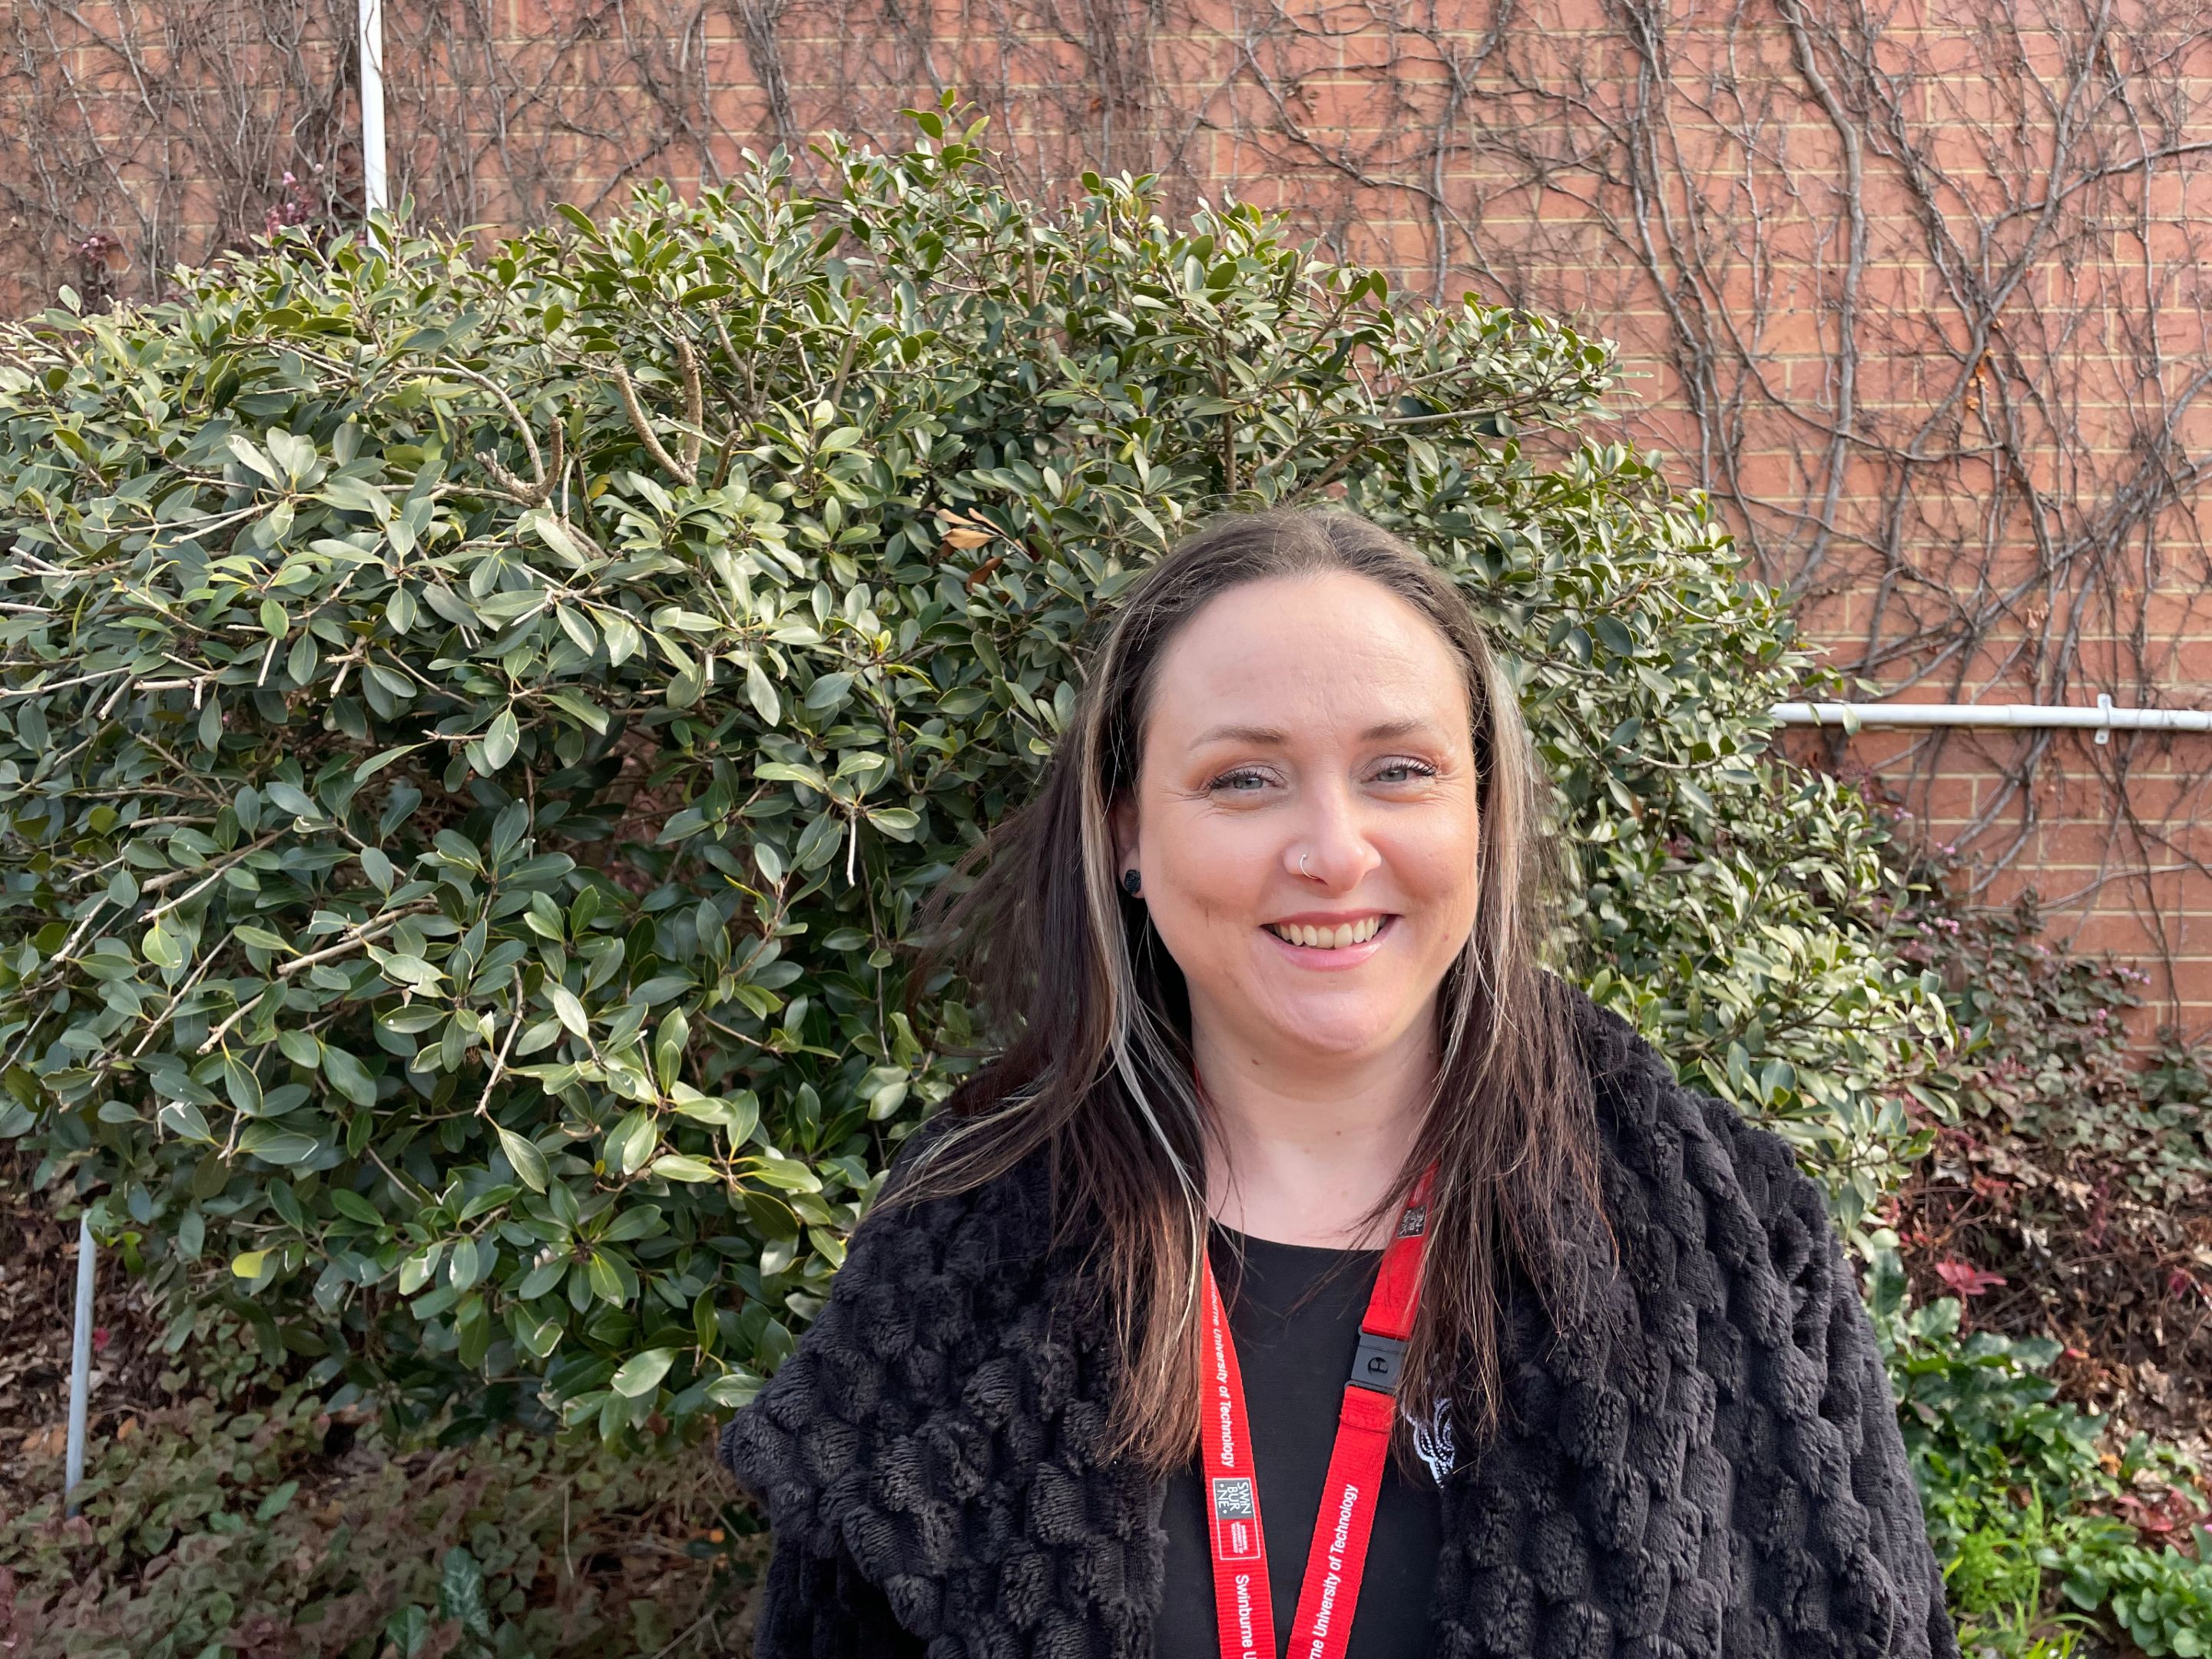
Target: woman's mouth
1321,937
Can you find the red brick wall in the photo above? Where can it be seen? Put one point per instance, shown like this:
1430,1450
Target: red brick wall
1915,287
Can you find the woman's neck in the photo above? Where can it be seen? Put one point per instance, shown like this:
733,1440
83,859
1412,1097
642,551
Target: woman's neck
1300,1153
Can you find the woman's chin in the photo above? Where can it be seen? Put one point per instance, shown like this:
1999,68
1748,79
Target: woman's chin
1325,1029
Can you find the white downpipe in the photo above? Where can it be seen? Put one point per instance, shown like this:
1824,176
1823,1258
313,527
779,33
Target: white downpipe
375,189
2103,719
80,1363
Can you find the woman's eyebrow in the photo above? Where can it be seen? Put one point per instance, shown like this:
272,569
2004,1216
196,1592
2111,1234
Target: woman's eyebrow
1259,734
1266,735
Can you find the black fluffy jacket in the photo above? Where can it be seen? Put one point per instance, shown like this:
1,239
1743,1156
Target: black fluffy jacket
1708,1466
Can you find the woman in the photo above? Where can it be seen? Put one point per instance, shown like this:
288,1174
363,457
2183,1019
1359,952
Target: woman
1312,1272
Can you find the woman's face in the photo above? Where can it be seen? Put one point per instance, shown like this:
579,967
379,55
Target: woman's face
1304,816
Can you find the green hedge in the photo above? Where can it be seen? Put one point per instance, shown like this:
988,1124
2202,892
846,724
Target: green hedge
473,730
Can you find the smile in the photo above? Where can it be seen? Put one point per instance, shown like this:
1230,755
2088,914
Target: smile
1321,937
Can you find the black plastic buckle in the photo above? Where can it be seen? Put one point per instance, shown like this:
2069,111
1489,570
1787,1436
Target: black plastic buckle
1376,1365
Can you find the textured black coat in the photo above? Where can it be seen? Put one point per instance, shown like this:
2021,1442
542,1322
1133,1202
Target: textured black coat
1711,1466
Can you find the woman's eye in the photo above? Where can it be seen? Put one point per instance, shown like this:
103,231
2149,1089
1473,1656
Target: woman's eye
1404,771
1241,782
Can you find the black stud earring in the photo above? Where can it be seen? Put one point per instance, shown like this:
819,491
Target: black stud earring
1131,883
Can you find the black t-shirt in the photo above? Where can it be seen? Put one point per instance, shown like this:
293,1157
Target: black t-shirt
1295,1351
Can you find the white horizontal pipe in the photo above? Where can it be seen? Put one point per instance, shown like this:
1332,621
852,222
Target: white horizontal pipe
2019,716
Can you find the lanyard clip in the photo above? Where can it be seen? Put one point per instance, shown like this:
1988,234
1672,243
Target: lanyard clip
1377,1364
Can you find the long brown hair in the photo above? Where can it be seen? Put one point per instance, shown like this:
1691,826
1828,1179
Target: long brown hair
1092,1019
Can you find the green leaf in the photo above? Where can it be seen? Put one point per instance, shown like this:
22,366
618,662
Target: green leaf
349,1076
277,1145
277,1503
548,529
410,970
640,1373
251,453
785,772
466,1261
291,800
828,690
183,1119
677,1166
461,1594
631,1141
569,1011
375,763
302,660
352,1206
160,948
770,860
580,707
243,1087
1613,636
735,1389
606,1283
762,693
787,1174
621,635
415,1272
501,738
350,495
529,1163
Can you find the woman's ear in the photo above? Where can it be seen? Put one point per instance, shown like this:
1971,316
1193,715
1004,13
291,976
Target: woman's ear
1123,817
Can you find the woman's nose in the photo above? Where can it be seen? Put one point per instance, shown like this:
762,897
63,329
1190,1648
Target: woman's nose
1332,851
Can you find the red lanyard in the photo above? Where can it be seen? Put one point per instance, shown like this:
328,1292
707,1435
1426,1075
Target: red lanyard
1330,1590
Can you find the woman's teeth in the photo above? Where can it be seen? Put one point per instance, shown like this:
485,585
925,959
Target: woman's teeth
1327,938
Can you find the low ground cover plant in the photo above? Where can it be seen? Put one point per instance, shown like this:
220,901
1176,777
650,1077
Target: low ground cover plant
2072,1192
274,1531
2052,1368
228,1511
2028,1509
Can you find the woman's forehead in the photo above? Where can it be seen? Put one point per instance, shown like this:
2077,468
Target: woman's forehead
1336,649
